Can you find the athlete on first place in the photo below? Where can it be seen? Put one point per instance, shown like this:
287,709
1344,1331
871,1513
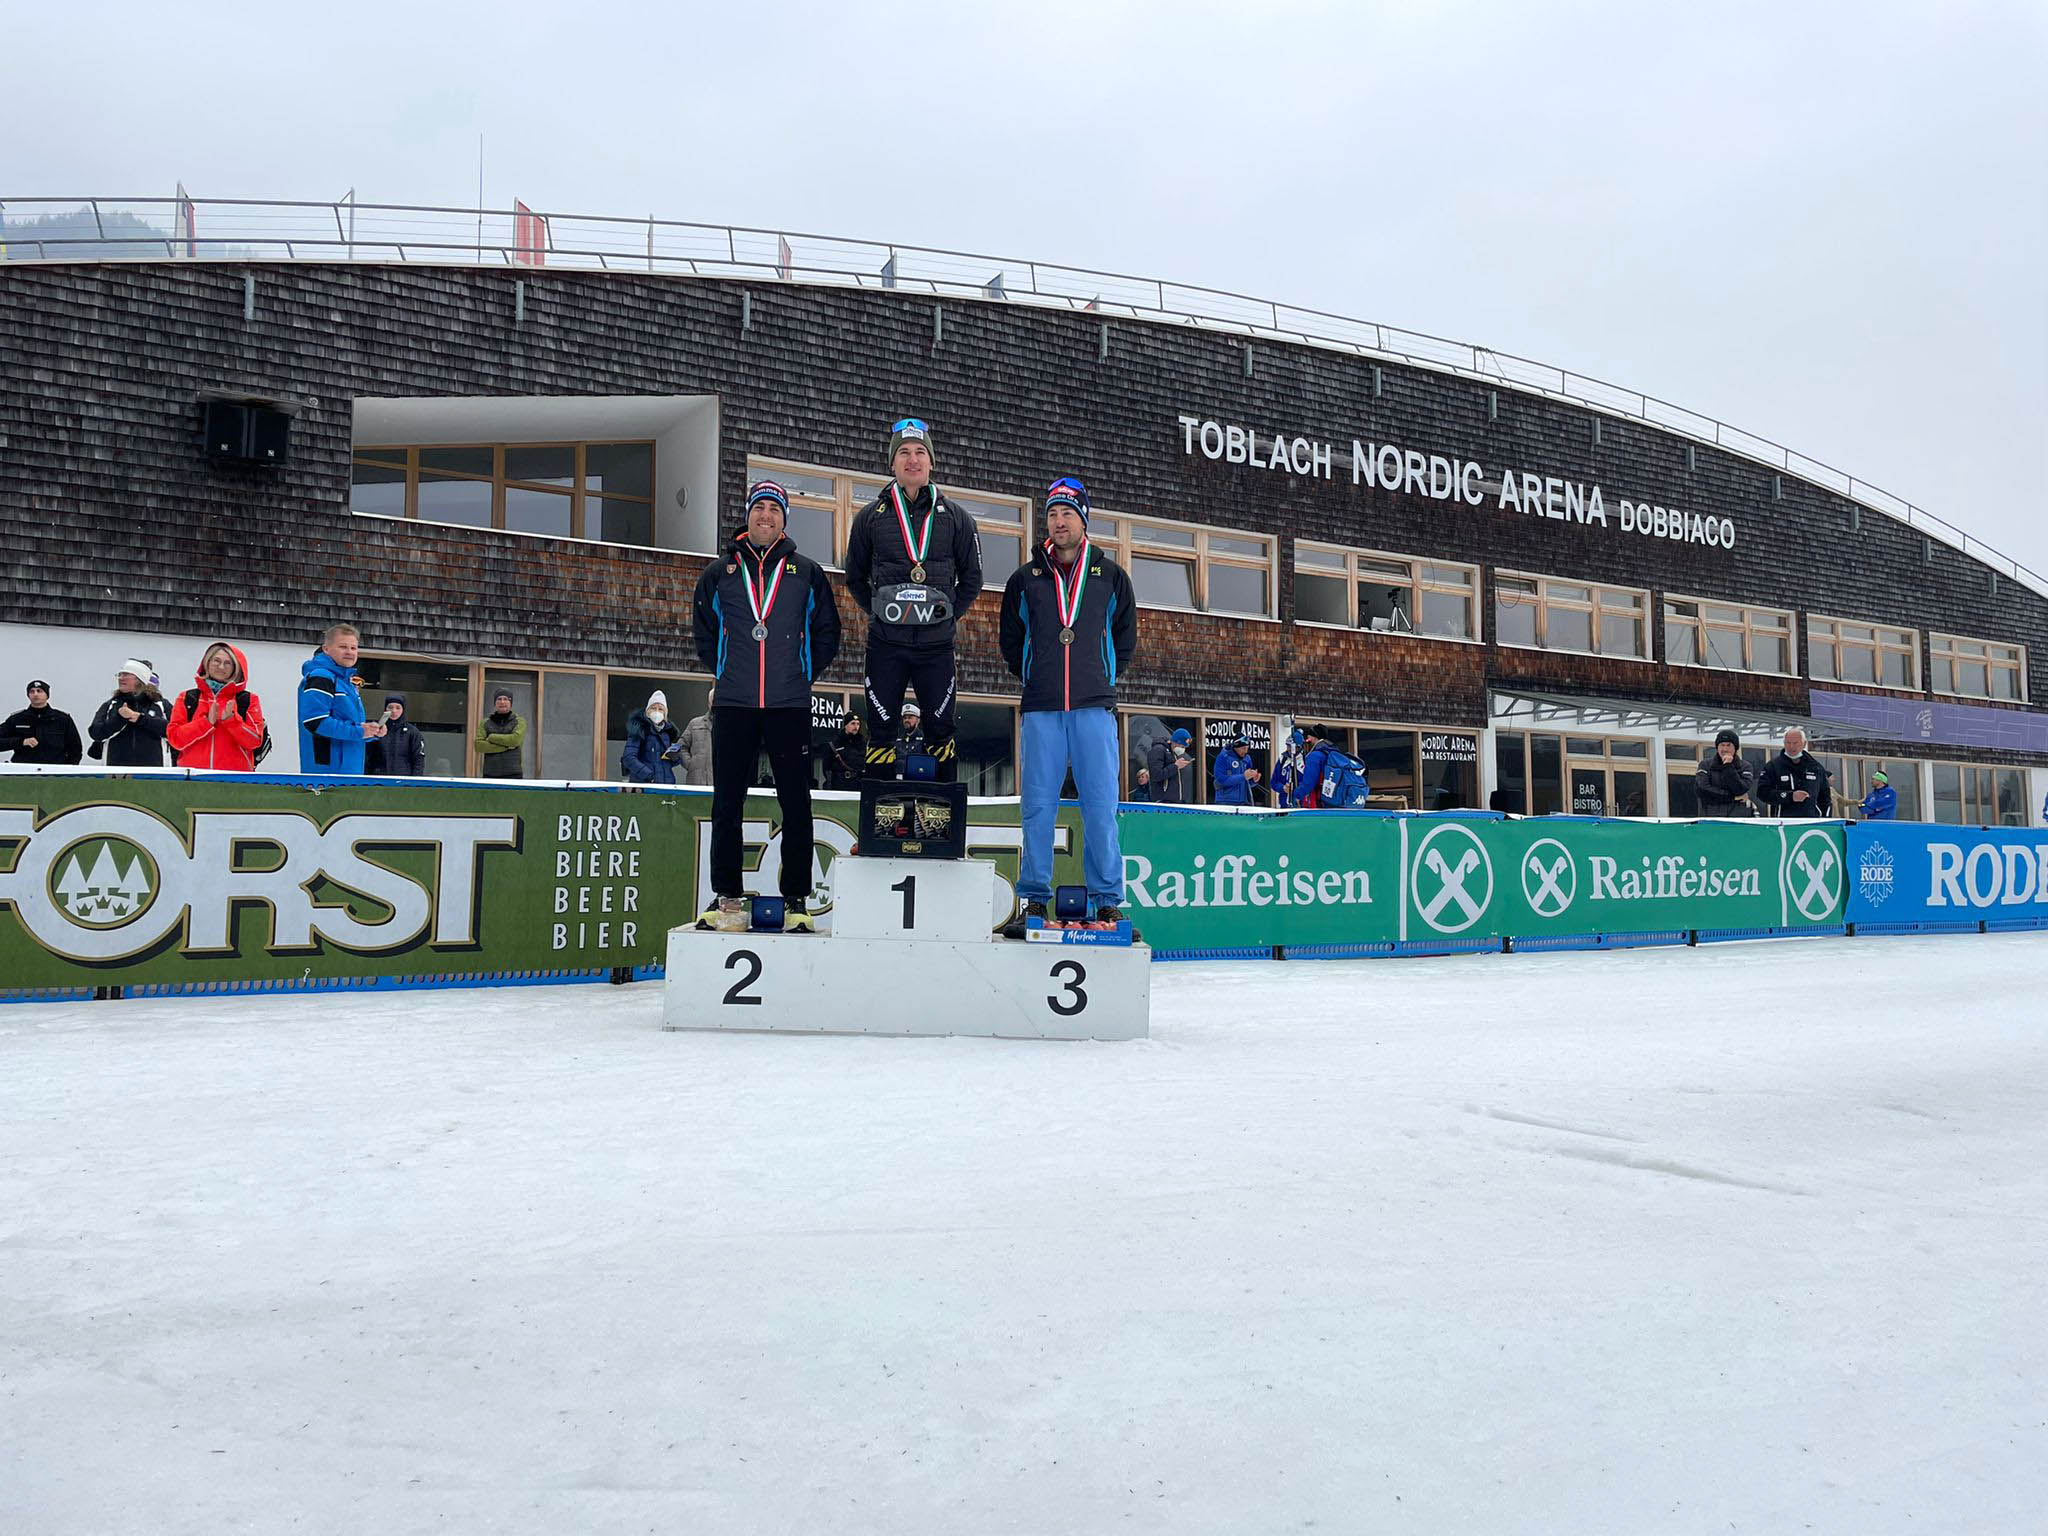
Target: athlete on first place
913,562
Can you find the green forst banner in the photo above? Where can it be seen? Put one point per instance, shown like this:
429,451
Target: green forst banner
120,880
1207,881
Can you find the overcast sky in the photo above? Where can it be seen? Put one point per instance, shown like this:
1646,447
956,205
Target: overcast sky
1827,224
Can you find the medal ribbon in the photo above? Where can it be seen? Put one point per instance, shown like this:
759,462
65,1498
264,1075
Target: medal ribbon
923,542
762,603
1068,605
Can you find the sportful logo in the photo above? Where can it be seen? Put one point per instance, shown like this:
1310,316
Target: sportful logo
1874,875
1440,879
1813,875
1990,874
1550,880
106,882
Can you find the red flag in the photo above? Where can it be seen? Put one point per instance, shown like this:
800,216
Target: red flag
529,236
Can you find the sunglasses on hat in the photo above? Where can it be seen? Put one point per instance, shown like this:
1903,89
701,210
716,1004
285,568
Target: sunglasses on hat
910,424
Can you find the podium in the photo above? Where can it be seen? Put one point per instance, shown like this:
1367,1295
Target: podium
911,951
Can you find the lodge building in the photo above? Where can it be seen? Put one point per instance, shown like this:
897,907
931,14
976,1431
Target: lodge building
1491,589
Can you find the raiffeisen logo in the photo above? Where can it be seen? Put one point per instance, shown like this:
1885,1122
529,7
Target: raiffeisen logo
1671,878
101,883
1988,875
1235,880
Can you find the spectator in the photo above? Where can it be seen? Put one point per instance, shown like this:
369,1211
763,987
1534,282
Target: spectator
501,739
1141,787
128,730
1725,778
1882,803
1235,776
846,755
1171,763
914,744
696,758
1068,630
653,744
332,728
219,722
766,624
1794,783
40,734
1315,762
401,753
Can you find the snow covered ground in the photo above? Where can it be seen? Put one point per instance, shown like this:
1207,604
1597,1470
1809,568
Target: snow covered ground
1751,1238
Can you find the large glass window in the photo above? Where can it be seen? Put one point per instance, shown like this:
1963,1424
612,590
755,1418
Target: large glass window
1850,780
625,692
1184,565
1701,633
1142,731
436,701
1216,736
596,491
1363,589
985,742
1553,614
1510,773
1844,651
568,725
1970,796
1976,669
1450,771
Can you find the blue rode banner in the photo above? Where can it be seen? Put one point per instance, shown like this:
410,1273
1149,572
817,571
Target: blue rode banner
1914,872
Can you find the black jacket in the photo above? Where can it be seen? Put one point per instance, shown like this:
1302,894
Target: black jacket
399,753
1078,676
845,759
1171,785
877,557
803,628
1782,775
56,735
1722,785
137,743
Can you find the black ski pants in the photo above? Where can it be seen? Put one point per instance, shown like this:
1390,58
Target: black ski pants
891,670
738,737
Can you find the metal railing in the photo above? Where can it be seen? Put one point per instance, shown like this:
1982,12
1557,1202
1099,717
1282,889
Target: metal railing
240,229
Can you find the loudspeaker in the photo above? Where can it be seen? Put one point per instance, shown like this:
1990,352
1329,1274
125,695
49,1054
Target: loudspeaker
245,431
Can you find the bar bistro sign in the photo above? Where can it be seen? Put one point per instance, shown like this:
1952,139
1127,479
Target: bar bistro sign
1411,472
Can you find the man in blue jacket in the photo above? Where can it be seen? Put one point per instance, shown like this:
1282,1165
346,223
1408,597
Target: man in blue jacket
1235,774
332,726
1882,803
1069,628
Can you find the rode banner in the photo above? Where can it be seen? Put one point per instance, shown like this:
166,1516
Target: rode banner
1940,876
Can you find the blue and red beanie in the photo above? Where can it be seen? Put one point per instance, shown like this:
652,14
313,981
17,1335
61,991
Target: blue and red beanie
1068,492
768,490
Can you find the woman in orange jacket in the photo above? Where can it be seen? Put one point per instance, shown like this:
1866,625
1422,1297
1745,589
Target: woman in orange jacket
218,724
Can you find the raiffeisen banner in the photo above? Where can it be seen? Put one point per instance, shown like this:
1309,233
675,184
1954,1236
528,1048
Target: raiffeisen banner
1907,872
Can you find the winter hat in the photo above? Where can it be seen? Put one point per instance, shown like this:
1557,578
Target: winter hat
144,670
1730,737
911,430
502,693
1880,777
1240,741
910,708
768,490
657,700
394,698
34,683
1067,492
1182,736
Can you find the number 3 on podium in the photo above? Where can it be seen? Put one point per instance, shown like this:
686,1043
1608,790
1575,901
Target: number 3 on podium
1072,999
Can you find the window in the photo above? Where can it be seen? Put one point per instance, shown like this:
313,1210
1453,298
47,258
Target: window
824,502
1546,613
1702,633
602,492
1180,565
1968,796
1849,779
626,692
1362,589
1682,761
1843,651
1977,669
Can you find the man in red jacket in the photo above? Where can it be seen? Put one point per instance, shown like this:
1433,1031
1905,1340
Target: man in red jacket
218,724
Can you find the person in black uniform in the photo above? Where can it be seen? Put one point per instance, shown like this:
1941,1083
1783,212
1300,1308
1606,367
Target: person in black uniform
910,536
766,625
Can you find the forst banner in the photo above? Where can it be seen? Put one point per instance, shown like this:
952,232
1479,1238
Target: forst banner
133,880
1208,881
1910,872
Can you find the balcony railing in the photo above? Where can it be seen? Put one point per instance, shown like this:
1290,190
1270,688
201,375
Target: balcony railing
239,229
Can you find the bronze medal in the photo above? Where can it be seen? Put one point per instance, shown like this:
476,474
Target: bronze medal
1067,635
917,574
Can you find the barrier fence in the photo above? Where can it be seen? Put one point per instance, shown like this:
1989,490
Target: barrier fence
201,882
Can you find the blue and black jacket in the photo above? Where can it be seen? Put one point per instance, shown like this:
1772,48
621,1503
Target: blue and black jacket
330,717
1078,676
803,627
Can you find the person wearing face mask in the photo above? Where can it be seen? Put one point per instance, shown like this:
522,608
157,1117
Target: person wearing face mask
766,625
40,733
653,744
128,730
1725,779
219,723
